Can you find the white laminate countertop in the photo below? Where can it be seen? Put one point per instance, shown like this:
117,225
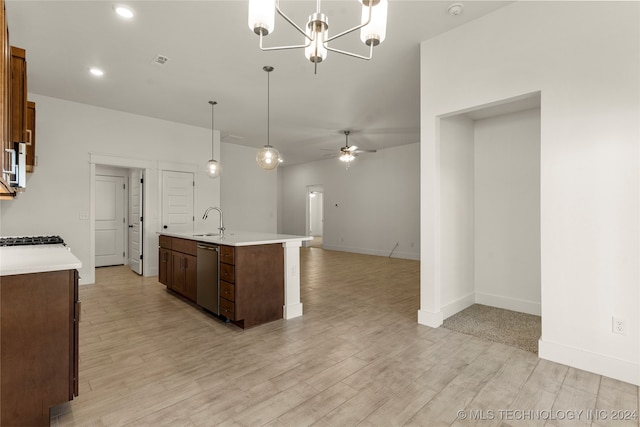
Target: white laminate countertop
239,238
36,259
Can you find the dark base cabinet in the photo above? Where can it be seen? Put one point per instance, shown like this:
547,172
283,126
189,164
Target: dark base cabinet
251,278
177,265
39,316
252,289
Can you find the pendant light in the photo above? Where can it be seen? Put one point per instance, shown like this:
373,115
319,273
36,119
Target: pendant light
213,166
268,158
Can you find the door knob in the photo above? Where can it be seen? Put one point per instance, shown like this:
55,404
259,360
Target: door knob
165,227
130,226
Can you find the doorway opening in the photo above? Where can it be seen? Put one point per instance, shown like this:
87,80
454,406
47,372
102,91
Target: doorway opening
145,228
490,218
315,215
118,216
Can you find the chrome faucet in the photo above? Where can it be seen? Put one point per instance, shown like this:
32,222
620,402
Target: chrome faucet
206,214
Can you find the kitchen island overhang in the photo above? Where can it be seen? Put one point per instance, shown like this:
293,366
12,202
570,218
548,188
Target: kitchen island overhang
292,307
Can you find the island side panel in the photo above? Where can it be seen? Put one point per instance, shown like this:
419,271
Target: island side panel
292,306
259,276
36,340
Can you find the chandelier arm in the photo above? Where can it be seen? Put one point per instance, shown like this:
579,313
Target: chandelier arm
299,46
351,30
290,21
354,55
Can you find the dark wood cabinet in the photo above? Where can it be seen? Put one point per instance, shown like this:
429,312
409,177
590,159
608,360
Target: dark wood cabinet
164,260
184,274
177,268
18,92
258,284
39,318
17,115
251,278
164,266
252,283
6,192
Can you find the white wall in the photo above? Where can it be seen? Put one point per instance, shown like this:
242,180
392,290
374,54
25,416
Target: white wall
507,211
367,209
587,72
249,194
457,213
60,188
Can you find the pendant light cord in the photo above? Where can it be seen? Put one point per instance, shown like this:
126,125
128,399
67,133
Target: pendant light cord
268,69
268,109
213,103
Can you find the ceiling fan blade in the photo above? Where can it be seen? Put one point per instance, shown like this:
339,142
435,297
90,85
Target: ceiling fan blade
352,148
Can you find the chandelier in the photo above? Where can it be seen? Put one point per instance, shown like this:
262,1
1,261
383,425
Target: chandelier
373,28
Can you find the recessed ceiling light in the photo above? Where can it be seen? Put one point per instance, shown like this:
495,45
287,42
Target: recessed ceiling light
124,11
96,72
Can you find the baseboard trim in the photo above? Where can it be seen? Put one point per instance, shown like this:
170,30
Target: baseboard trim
429,318
514,304
593,362
292,311
458,305
377,252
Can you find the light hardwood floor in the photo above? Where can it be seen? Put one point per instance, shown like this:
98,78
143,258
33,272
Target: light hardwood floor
356,357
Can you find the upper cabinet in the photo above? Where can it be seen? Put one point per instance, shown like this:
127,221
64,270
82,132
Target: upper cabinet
6,191
17,115
18,92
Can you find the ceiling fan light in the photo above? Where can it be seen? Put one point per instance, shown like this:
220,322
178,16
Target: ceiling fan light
376,31
262,16
346,157
268,158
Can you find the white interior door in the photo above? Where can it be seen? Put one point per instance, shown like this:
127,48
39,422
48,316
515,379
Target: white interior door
135,221
316,220
177,201
110,219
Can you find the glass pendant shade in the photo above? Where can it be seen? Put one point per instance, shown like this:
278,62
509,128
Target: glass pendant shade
376,31
268,158
262,16
213,168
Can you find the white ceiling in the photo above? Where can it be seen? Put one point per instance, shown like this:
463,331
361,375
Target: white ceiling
214,56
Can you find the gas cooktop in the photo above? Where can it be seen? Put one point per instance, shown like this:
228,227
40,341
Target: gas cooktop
31,240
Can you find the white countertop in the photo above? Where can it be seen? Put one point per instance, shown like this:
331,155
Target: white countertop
240,238
36,259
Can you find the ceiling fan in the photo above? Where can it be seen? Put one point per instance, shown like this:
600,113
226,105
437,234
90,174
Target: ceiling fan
349,152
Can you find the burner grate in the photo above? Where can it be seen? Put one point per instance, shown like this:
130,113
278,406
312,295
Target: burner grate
31,240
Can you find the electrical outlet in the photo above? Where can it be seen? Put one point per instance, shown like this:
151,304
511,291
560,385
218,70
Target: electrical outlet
618,326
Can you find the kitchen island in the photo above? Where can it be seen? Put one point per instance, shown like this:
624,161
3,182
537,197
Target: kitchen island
39,316
259,273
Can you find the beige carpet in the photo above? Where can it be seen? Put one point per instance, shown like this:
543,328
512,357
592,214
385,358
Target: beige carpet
498,325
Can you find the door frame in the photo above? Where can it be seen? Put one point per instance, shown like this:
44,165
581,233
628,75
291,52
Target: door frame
307,224
119,162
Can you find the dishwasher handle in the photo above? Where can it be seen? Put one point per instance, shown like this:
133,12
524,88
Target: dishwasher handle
209,248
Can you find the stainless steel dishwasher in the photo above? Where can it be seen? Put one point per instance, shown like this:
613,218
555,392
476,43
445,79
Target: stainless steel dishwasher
208,283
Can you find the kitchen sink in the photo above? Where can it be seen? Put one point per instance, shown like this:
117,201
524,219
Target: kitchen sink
206,234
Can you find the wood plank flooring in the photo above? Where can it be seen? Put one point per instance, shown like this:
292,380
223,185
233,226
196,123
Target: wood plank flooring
356,357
